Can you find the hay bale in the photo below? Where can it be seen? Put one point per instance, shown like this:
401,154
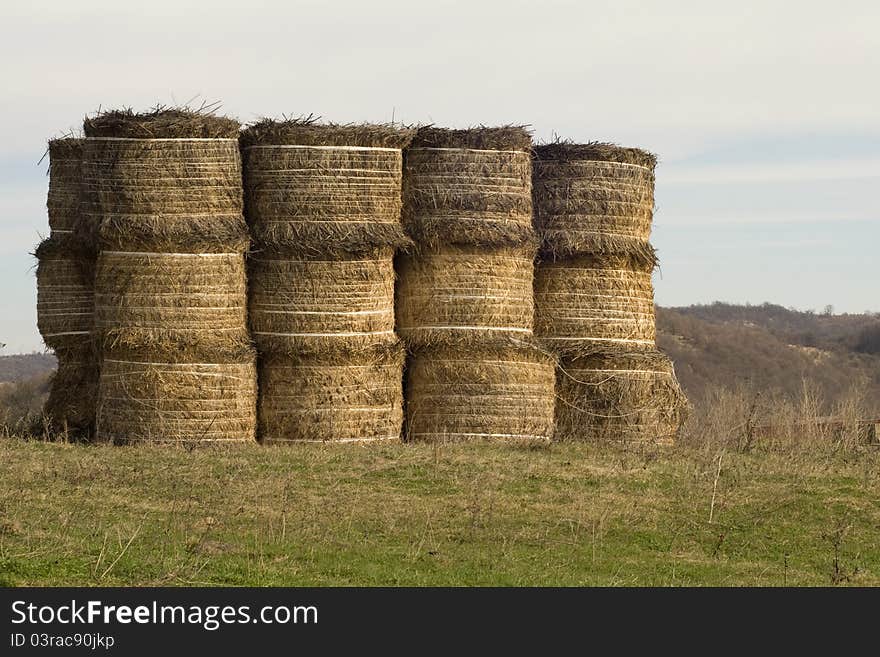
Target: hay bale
468,187
322,189
499,391
594,300
301,305
458,294
73,390
164,181
594,199
65,185
354,397
192,302
629,396
65,291
156,397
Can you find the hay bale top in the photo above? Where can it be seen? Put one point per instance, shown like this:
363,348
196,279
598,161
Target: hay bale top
176,352
642,260
502,138
595,151
65,148
333,355
309,132
587,356
162,123
495,348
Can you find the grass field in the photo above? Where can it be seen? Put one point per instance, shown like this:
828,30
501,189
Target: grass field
416,515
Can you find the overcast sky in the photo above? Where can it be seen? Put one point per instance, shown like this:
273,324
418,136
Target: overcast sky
766,115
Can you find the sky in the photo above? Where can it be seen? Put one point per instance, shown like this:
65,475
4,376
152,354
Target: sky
765,114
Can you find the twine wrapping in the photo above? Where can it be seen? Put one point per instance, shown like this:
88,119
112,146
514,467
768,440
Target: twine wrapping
325,398
586,203
593,299
494,392
467,196
164,194
64,200
194,302
324,199
65,298
628,396
146,400
465,293
302,305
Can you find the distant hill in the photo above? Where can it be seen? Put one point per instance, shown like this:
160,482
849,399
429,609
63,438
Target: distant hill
770,347
20,367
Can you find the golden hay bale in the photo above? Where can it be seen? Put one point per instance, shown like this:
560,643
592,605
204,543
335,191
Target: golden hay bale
354,397
594,299
468,187
461,294
73,389
164,398
594,198
499,391
65,291
322,189
164,181
65,185
619,395
300,305
193,302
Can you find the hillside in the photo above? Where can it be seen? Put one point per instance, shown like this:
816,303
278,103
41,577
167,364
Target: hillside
769,347
20,367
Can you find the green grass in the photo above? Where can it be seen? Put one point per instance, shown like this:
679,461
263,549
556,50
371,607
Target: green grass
475,514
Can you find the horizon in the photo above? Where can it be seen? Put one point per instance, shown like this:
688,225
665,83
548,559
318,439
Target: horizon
769,148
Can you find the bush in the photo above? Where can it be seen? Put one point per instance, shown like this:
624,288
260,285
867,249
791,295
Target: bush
21,406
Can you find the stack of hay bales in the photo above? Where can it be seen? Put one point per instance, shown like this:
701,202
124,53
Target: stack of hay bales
323,204
65,294
164,192
594,300
464,297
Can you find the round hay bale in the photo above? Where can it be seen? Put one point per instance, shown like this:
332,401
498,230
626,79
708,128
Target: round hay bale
594,299
498,391
73,390
162,398
469,187
594,199
301,305
65,291
462,294
324,189
164,181
65,185
191,302
620,396
355,397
